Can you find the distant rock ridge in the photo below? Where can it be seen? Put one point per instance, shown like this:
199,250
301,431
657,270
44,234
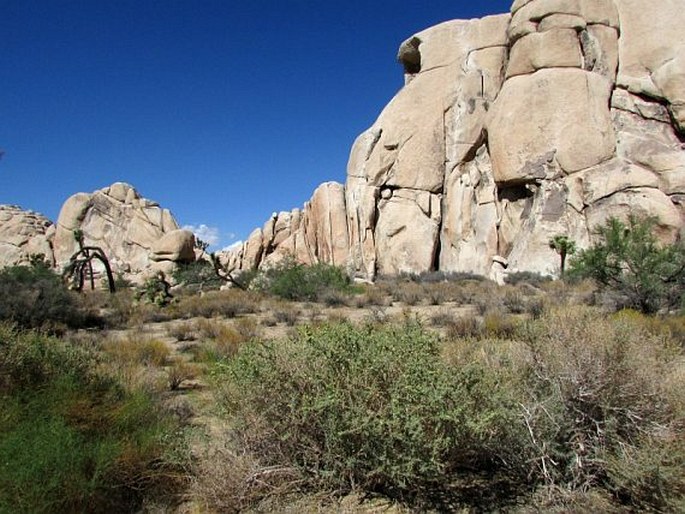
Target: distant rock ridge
509,130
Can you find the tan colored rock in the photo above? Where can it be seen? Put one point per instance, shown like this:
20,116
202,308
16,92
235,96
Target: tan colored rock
468,238
640,202
117,220
540,121
558,48
175,246
326,224
651,50
24,234
612,177
407,232
600,12
562,21
509,130
652,110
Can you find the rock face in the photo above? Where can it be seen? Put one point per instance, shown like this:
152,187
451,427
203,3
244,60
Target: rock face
136,234
23,234
510,129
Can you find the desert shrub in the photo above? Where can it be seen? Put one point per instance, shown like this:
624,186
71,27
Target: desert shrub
291,280
605,404
71,439
35,297
373,408
199,274
526,277
629,261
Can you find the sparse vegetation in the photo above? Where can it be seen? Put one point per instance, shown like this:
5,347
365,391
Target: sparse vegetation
516,398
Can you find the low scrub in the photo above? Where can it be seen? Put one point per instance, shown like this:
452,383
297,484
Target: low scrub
565,411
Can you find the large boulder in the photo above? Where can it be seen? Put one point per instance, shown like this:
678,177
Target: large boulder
117,219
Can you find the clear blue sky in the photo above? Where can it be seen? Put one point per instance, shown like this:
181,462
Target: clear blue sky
222,111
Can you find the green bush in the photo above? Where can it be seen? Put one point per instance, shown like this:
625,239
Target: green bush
35,297
374,409
71,439
629,261
295,281
200,274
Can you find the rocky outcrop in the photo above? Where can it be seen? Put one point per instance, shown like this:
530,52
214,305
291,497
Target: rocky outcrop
509,130
316,233
24,234
136,234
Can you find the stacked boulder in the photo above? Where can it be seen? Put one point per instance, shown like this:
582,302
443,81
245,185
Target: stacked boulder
136,234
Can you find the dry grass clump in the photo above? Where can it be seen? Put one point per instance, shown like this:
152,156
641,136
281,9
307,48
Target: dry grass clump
247,328
464,327
219,340
373,295
136,349
408,293
179,371
135,361
442,318
226,479
287,314
601,401
183,331
228,304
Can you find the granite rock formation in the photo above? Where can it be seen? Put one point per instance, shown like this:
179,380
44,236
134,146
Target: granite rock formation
24,234
509,130
136,234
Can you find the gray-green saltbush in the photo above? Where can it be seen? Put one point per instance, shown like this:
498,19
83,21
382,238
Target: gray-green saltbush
374,409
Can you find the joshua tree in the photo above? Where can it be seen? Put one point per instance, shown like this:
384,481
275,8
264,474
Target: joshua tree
81,264
564,247
223,273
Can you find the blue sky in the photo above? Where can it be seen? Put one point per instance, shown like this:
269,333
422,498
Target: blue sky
222,111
